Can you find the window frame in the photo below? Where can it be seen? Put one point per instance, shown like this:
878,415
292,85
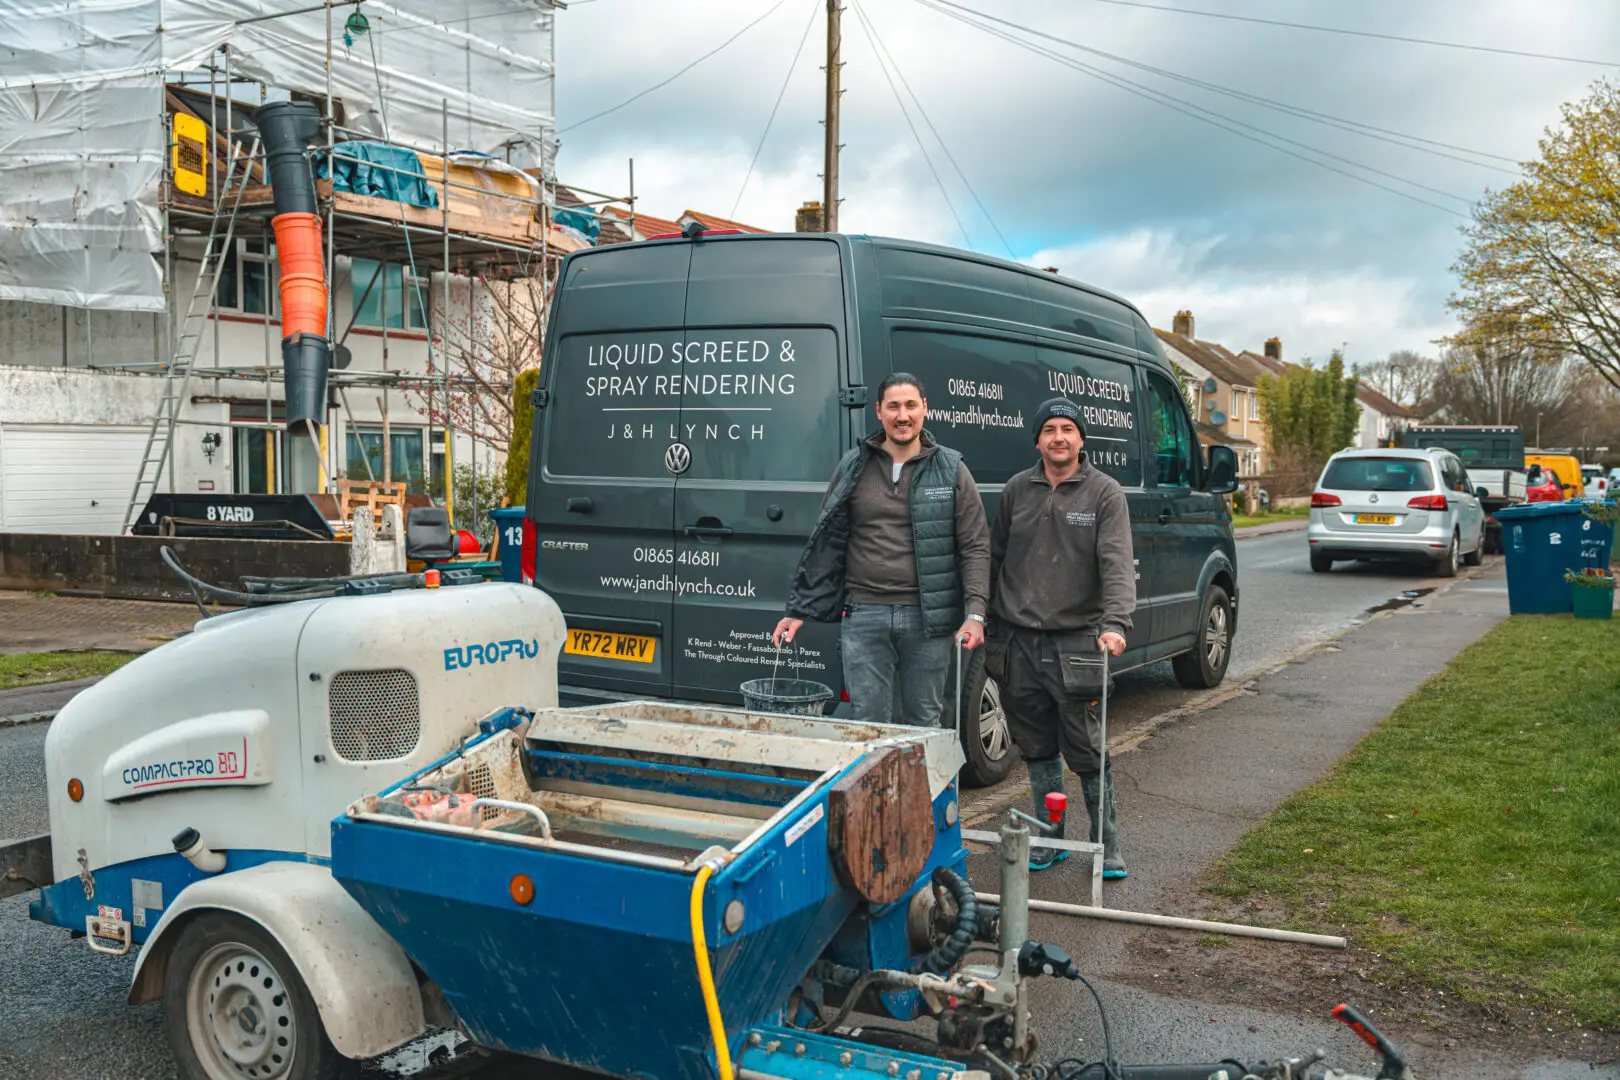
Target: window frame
241,255
393,279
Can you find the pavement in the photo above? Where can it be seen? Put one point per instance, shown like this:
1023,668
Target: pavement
45,622
1187,789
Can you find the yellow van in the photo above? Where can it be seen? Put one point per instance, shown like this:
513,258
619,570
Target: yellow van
1564,466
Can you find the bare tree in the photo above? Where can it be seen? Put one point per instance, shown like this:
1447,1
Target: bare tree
1494,372
486,332
1405,377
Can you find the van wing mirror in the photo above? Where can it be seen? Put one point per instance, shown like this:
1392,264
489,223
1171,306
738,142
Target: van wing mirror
1483,493
1221,477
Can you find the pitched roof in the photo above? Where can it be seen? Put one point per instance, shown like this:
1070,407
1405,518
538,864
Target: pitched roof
1379,403
1276,367
710,221
1212,358
1209,433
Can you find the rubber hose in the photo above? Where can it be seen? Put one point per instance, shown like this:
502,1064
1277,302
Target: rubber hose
244,598
711,1000
946,956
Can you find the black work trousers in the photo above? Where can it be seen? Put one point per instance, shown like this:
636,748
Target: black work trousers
1046,714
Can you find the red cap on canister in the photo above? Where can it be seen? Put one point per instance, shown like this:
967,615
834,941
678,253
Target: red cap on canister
1056,804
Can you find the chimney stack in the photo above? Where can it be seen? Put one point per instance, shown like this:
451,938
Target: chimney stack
1183,324
809,218
1274,349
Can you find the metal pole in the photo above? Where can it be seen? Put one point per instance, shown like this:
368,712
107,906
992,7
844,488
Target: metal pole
1171,922
829,197
632,215
1014,852
444,374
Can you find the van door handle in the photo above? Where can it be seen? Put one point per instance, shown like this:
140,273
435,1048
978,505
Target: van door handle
708,530
579,505
1166,516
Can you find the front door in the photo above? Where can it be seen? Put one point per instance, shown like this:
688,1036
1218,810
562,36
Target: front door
760,432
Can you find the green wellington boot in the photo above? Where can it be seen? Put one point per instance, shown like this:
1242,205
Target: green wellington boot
1046,778
1113,860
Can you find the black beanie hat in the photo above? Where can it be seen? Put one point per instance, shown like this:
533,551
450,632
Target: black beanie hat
1058,406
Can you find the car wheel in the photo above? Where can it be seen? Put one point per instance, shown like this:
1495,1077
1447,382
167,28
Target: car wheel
1320,563
1477,556
1205,665
986,739
235,1007
1447,566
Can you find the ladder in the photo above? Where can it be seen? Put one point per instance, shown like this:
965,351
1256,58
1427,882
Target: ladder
177,378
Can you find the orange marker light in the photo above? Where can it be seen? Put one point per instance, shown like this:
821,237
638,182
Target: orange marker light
75,789
521,888
430,578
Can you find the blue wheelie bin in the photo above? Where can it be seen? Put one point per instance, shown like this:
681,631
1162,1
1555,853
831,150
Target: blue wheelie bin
1542,540
509,540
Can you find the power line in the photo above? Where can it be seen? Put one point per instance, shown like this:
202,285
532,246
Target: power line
867,19
860,17
1359,33
1354,126
815,8
1202,114
660,85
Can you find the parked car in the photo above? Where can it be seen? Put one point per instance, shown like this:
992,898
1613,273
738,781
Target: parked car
1406,505
1566,466
1597,483
1543,485
698,393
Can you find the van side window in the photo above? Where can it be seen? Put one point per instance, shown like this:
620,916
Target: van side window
1175,456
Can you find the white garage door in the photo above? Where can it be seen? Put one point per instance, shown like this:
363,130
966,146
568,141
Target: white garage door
67,479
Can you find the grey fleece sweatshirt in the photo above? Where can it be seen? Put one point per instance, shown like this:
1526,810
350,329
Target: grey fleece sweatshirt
881,564
1061,557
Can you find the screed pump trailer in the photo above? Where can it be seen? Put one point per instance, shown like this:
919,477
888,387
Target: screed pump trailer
330,822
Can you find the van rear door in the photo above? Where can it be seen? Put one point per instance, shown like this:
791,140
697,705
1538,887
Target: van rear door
760,431
600,493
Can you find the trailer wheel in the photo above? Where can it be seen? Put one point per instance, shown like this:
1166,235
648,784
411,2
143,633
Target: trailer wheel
235,1007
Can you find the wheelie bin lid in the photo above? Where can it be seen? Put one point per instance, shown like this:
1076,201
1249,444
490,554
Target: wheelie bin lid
1540,509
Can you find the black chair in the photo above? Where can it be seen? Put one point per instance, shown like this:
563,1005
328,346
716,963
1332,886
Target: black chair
428,535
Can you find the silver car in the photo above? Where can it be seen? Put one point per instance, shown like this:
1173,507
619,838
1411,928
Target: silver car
1407,505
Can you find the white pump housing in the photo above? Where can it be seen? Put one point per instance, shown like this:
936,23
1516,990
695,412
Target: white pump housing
262,725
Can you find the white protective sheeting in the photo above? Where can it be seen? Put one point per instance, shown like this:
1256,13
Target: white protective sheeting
82,111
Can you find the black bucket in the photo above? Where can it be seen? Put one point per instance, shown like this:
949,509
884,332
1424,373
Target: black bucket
799,697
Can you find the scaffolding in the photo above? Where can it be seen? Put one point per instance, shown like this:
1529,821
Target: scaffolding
478,233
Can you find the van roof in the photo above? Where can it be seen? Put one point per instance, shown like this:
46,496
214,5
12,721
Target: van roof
889,242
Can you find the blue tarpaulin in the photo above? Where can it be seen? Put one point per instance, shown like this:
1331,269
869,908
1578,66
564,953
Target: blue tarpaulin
582,222
361,178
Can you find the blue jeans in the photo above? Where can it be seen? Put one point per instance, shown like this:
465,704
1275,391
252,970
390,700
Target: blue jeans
894,671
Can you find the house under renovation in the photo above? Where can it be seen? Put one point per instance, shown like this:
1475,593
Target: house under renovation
160,296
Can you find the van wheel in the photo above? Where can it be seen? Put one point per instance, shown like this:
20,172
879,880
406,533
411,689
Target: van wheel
1205,665
986,739
235,1007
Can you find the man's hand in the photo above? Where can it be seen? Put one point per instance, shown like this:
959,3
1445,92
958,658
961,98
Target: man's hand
785,630
971,634
1111,643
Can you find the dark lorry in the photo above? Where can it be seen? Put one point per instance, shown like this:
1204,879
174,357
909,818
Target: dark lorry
697,394
1493,454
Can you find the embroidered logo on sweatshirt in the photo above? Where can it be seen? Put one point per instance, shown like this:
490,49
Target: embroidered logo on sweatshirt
1081,517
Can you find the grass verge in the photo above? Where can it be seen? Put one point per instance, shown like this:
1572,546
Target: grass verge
31,669
1474,838
1289,513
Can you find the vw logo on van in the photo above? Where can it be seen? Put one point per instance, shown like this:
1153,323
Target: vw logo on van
1373,497
678,458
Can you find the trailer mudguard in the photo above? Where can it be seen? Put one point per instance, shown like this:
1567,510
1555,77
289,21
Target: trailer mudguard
361,981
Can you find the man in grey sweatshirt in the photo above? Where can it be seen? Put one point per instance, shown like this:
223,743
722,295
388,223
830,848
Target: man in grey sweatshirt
1063,589
901,554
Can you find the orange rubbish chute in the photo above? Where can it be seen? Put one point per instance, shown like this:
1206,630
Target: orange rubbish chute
303,274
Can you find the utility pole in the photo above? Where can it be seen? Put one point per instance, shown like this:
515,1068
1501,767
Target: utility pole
829,193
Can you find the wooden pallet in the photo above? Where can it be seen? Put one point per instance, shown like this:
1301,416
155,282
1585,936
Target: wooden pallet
374,494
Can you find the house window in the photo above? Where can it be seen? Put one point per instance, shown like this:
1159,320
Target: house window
1254,406
385,294
363,447
247,278
1237,404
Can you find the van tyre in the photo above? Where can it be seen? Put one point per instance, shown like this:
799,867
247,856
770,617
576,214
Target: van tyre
1320,562
1205,666
1447,566
235,1007
986,739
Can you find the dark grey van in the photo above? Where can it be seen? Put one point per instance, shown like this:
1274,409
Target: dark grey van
697,393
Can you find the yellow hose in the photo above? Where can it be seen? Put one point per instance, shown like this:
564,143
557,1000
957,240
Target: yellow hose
711,1002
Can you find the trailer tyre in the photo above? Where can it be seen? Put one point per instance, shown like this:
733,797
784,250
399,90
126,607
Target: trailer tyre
235,1007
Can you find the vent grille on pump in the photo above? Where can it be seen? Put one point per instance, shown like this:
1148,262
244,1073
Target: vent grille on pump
374,715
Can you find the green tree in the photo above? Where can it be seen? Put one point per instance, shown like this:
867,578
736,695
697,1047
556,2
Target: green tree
517,447
1310,413
1543,255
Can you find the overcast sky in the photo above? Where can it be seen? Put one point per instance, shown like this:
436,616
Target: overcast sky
1121,192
